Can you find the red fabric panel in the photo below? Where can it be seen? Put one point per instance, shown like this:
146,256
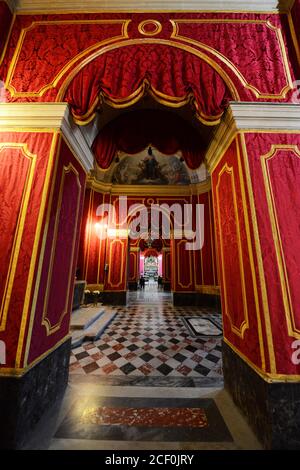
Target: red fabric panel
5,21
183,267
234,40
51,49
93,241
296,19
284,177
132,132
207,253
167,272
52,318
133,275
237,279
117,264
14,168
83,236
213,239
48,48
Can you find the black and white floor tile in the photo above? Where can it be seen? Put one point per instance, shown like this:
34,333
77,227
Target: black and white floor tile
149,339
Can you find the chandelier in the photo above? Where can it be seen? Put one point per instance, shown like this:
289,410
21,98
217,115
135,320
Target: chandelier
149,241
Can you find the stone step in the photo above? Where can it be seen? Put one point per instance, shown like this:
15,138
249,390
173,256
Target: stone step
77,338
94,331
97,328
82,318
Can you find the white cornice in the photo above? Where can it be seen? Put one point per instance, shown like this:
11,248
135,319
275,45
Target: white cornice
252,117
279,116
154,5
54,116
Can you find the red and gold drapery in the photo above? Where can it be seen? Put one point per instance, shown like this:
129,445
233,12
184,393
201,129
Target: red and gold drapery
132,132
172,76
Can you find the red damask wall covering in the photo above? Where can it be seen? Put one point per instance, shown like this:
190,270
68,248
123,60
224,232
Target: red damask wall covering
87,58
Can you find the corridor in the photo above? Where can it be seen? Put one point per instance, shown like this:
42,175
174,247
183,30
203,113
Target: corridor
147,383
150,338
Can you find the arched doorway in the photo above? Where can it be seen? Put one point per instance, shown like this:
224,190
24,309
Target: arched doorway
37,325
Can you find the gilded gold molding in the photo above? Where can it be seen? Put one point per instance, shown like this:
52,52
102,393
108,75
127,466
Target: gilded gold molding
293,331
144,32
19,227
14,93
143,190
239,331
211,290
178,263
251,257
18,372
241,117
268,377
89,234
46,322
212,238
32,115
93,287
261,272
42,251
34,254
289,86
123,261
294,35
166,100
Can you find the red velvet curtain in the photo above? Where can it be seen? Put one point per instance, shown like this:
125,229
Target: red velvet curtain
132,132
174,77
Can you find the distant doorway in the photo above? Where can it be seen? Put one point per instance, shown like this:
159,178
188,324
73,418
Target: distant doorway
151,270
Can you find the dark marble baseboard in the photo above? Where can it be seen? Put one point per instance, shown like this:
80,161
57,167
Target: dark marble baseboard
167,286
132,285
195,299
114,298
24,400
272,409
209,300
184,299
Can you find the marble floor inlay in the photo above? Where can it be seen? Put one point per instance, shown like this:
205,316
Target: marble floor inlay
163,417
144,419
148,339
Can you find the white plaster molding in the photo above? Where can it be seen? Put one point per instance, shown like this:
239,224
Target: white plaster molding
279,116
251,116
154,5
56,116
77,141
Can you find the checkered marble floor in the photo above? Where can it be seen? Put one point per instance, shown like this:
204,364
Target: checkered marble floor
149,339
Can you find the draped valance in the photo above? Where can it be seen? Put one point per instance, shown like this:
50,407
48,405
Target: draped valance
171,75
134,131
